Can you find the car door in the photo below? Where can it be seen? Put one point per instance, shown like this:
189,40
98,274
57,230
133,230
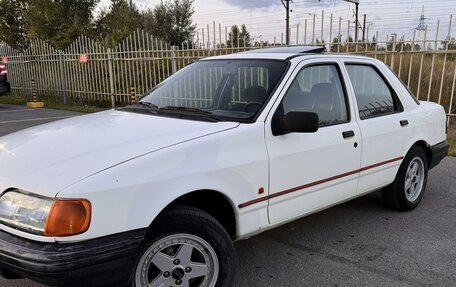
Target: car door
309,171
383,122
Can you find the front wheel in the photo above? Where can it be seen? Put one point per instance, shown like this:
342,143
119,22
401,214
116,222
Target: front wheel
189,248
407,190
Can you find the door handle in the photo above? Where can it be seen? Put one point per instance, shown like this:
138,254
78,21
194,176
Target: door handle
348,134
404,123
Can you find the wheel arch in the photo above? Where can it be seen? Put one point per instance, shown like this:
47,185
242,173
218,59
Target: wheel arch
426,147
213,202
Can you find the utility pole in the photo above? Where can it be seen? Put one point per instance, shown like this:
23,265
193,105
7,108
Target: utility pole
356,2
356,22
286,4
364,28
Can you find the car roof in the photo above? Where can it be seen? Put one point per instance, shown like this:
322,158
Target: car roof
282,53
288,50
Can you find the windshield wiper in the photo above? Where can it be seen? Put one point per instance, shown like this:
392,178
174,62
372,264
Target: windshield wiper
148,105
189,110
141,107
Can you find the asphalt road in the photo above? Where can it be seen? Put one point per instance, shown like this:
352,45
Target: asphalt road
359,243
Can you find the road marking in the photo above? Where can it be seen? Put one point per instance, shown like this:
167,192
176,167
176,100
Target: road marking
32,120
12,111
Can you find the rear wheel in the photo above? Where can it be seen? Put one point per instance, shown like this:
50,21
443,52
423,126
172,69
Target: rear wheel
189,248
407,190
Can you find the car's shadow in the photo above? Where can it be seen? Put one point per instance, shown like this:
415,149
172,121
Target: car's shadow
358,243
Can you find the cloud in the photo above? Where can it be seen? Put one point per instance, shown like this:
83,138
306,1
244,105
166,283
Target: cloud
325,3
259,4
253,4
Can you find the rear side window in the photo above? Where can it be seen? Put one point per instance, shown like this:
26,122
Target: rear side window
373,95
412,95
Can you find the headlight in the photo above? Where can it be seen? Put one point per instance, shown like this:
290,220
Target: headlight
24,211
44,216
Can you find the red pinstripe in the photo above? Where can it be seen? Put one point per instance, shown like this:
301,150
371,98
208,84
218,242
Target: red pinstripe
287,191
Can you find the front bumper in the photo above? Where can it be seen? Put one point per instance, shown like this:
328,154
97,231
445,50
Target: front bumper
439,152
106,261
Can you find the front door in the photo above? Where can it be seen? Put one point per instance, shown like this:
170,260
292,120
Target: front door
310,171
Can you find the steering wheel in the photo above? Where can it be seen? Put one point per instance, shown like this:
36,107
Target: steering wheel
252,107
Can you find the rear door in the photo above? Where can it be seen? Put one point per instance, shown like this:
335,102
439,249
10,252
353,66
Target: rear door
309,171
383,122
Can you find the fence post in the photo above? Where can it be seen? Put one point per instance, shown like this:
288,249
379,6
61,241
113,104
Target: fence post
22,69
445,60
111,78
393,50
322,25
62,78
173,59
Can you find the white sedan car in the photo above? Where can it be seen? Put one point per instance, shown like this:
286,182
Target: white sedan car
153,194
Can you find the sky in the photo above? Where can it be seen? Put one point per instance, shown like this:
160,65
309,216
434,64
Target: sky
265,19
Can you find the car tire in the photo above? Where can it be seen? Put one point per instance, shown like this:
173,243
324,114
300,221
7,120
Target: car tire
407,190
176,233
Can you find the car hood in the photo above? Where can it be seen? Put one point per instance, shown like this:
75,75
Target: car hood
48,158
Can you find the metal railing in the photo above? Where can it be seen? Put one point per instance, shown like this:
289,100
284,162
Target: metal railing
89,72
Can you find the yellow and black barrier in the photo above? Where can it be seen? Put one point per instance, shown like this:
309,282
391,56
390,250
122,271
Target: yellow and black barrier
132,94
34,103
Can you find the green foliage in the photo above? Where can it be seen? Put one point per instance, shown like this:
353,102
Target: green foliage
116,23
452,140
451,42
12,23
58,21
171,21
238,37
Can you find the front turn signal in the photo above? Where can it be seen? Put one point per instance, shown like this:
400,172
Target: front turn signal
68,217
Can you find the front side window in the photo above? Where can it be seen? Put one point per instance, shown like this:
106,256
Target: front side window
373,95
318,89
226,89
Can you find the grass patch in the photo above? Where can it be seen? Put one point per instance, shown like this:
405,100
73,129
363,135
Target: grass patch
12,99
51,102
452,141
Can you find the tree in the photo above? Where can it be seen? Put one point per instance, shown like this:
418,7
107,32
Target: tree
451,42
238,38
171,21
12,23
58,21
116,23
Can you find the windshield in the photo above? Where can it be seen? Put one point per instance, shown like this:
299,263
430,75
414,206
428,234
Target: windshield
225,89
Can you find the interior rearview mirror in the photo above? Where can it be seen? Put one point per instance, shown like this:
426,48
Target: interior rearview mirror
295,122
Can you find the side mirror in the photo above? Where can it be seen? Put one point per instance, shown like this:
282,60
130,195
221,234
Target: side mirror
295,122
